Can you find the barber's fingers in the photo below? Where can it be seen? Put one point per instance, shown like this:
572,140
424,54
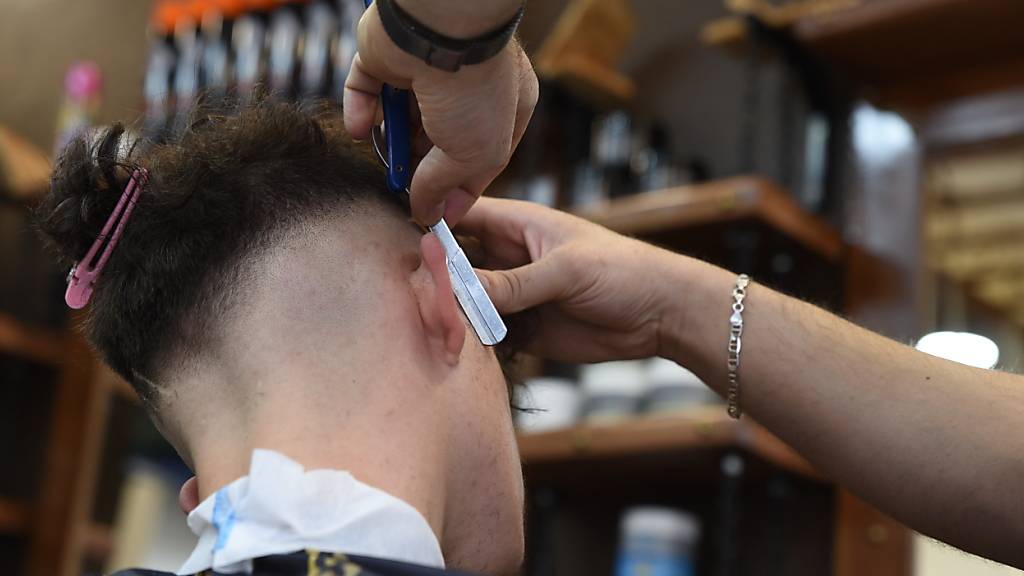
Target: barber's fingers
535,228
361,100
461,199
493,222
457,203
520,288
492,218
439,176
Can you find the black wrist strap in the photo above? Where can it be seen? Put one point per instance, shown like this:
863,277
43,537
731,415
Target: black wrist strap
441,51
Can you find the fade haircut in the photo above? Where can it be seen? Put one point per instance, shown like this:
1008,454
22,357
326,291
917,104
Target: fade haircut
219,193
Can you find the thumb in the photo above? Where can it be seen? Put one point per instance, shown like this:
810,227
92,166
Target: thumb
524,287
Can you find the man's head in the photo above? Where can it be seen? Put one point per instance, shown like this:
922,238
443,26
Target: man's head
268,293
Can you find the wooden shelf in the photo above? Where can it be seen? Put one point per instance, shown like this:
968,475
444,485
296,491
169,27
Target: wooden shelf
30,343
731,31
600,85
584,48
667,437
24,169
898,52
14,517
728,200
901,50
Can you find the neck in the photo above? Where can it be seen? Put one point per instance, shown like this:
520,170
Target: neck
389,436
335,390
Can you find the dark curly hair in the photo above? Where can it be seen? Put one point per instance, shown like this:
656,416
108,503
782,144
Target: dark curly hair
217,194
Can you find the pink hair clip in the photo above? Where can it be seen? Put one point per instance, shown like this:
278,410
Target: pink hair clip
83,274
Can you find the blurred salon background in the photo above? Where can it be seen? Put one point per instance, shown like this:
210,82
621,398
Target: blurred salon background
867,155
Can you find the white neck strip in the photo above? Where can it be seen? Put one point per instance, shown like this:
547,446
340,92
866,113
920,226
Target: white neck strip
281,508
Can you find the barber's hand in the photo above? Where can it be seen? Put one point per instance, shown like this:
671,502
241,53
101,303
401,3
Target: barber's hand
472,119
600,296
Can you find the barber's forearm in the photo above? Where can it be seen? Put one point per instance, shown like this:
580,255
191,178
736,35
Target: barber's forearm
937,444
461,18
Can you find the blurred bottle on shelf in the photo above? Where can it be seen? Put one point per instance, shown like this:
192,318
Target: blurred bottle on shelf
612,150
539,189
652,164
320,34
349,13
160,64
284,34
248,41
188,46
298,49
588,189
657,541
83,88
816,135
216,25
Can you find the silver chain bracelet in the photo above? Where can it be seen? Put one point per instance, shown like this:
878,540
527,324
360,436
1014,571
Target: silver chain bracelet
736,344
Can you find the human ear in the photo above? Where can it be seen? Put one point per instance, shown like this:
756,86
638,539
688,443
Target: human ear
439,313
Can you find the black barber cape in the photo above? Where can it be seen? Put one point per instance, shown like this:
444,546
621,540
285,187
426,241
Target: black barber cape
313,563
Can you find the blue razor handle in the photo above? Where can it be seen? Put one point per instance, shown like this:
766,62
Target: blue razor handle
395,104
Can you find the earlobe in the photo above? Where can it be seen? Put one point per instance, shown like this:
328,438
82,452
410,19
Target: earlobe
438,309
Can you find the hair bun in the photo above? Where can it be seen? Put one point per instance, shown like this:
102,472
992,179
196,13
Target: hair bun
86,184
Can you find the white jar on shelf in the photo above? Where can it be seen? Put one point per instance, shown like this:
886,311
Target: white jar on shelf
657,541
671,387
612,390
547,404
